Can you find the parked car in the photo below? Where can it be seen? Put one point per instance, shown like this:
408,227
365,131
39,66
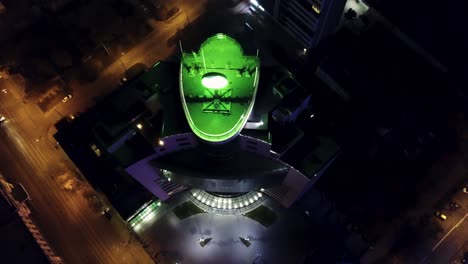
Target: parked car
66,98
440,215
133,73
454,205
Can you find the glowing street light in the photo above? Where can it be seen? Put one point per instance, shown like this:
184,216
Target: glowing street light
139,126
160,142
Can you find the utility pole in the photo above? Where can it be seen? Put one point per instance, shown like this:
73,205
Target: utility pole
58,112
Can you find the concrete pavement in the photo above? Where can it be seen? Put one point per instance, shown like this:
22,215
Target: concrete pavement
286,241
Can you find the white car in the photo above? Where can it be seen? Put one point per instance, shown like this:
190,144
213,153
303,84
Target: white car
66,98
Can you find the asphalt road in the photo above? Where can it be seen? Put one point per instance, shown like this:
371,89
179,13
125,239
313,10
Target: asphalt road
450,245
69,219
152,49
74,226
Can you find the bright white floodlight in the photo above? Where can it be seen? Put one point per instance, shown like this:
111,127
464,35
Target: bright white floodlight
214,80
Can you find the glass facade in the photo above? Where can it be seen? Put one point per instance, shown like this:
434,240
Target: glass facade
227,205
148,213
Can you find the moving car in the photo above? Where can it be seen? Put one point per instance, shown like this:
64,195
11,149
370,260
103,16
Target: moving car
440,215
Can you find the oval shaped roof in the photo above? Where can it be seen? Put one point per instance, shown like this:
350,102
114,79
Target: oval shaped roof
218,87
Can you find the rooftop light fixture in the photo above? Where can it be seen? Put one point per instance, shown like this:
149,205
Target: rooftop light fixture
221,36
254,2
214,80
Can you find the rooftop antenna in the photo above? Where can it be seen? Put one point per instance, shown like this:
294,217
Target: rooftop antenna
181,50
203,57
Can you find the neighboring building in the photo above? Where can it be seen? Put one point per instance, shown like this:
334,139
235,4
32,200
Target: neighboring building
21,241
120,130
307,21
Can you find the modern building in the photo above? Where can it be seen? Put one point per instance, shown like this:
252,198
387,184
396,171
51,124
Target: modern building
307,21
220,153
201,122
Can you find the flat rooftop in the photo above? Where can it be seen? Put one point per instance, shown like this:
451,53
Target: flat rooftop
217,113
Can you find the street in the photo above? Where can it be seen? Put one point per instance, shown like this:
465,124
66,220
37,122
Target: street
76,230
449,247
73,225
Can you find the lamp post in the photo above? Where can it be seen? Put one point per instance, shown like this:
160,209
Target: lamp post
188,20
108,53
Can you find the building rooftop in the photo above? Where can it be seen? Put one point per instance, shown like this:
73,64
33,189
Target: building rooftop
226,168
218,87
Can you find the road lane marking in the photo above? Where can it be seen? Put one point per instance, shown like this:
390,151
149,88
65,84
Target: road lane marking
448,233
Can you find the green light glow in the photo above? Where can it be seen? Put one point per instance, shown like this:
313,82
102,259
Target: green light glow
214,81
218,85
146,214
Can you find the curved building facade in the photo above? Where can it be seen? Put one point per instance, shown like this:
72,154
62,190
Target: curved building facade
217,88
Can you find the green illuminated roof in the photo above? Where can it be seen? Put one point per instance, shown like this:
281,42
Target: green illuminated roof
218,87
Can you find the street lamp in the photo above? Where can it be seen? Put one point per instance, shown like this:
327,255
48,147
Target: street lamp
160,142
186,15
108,53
